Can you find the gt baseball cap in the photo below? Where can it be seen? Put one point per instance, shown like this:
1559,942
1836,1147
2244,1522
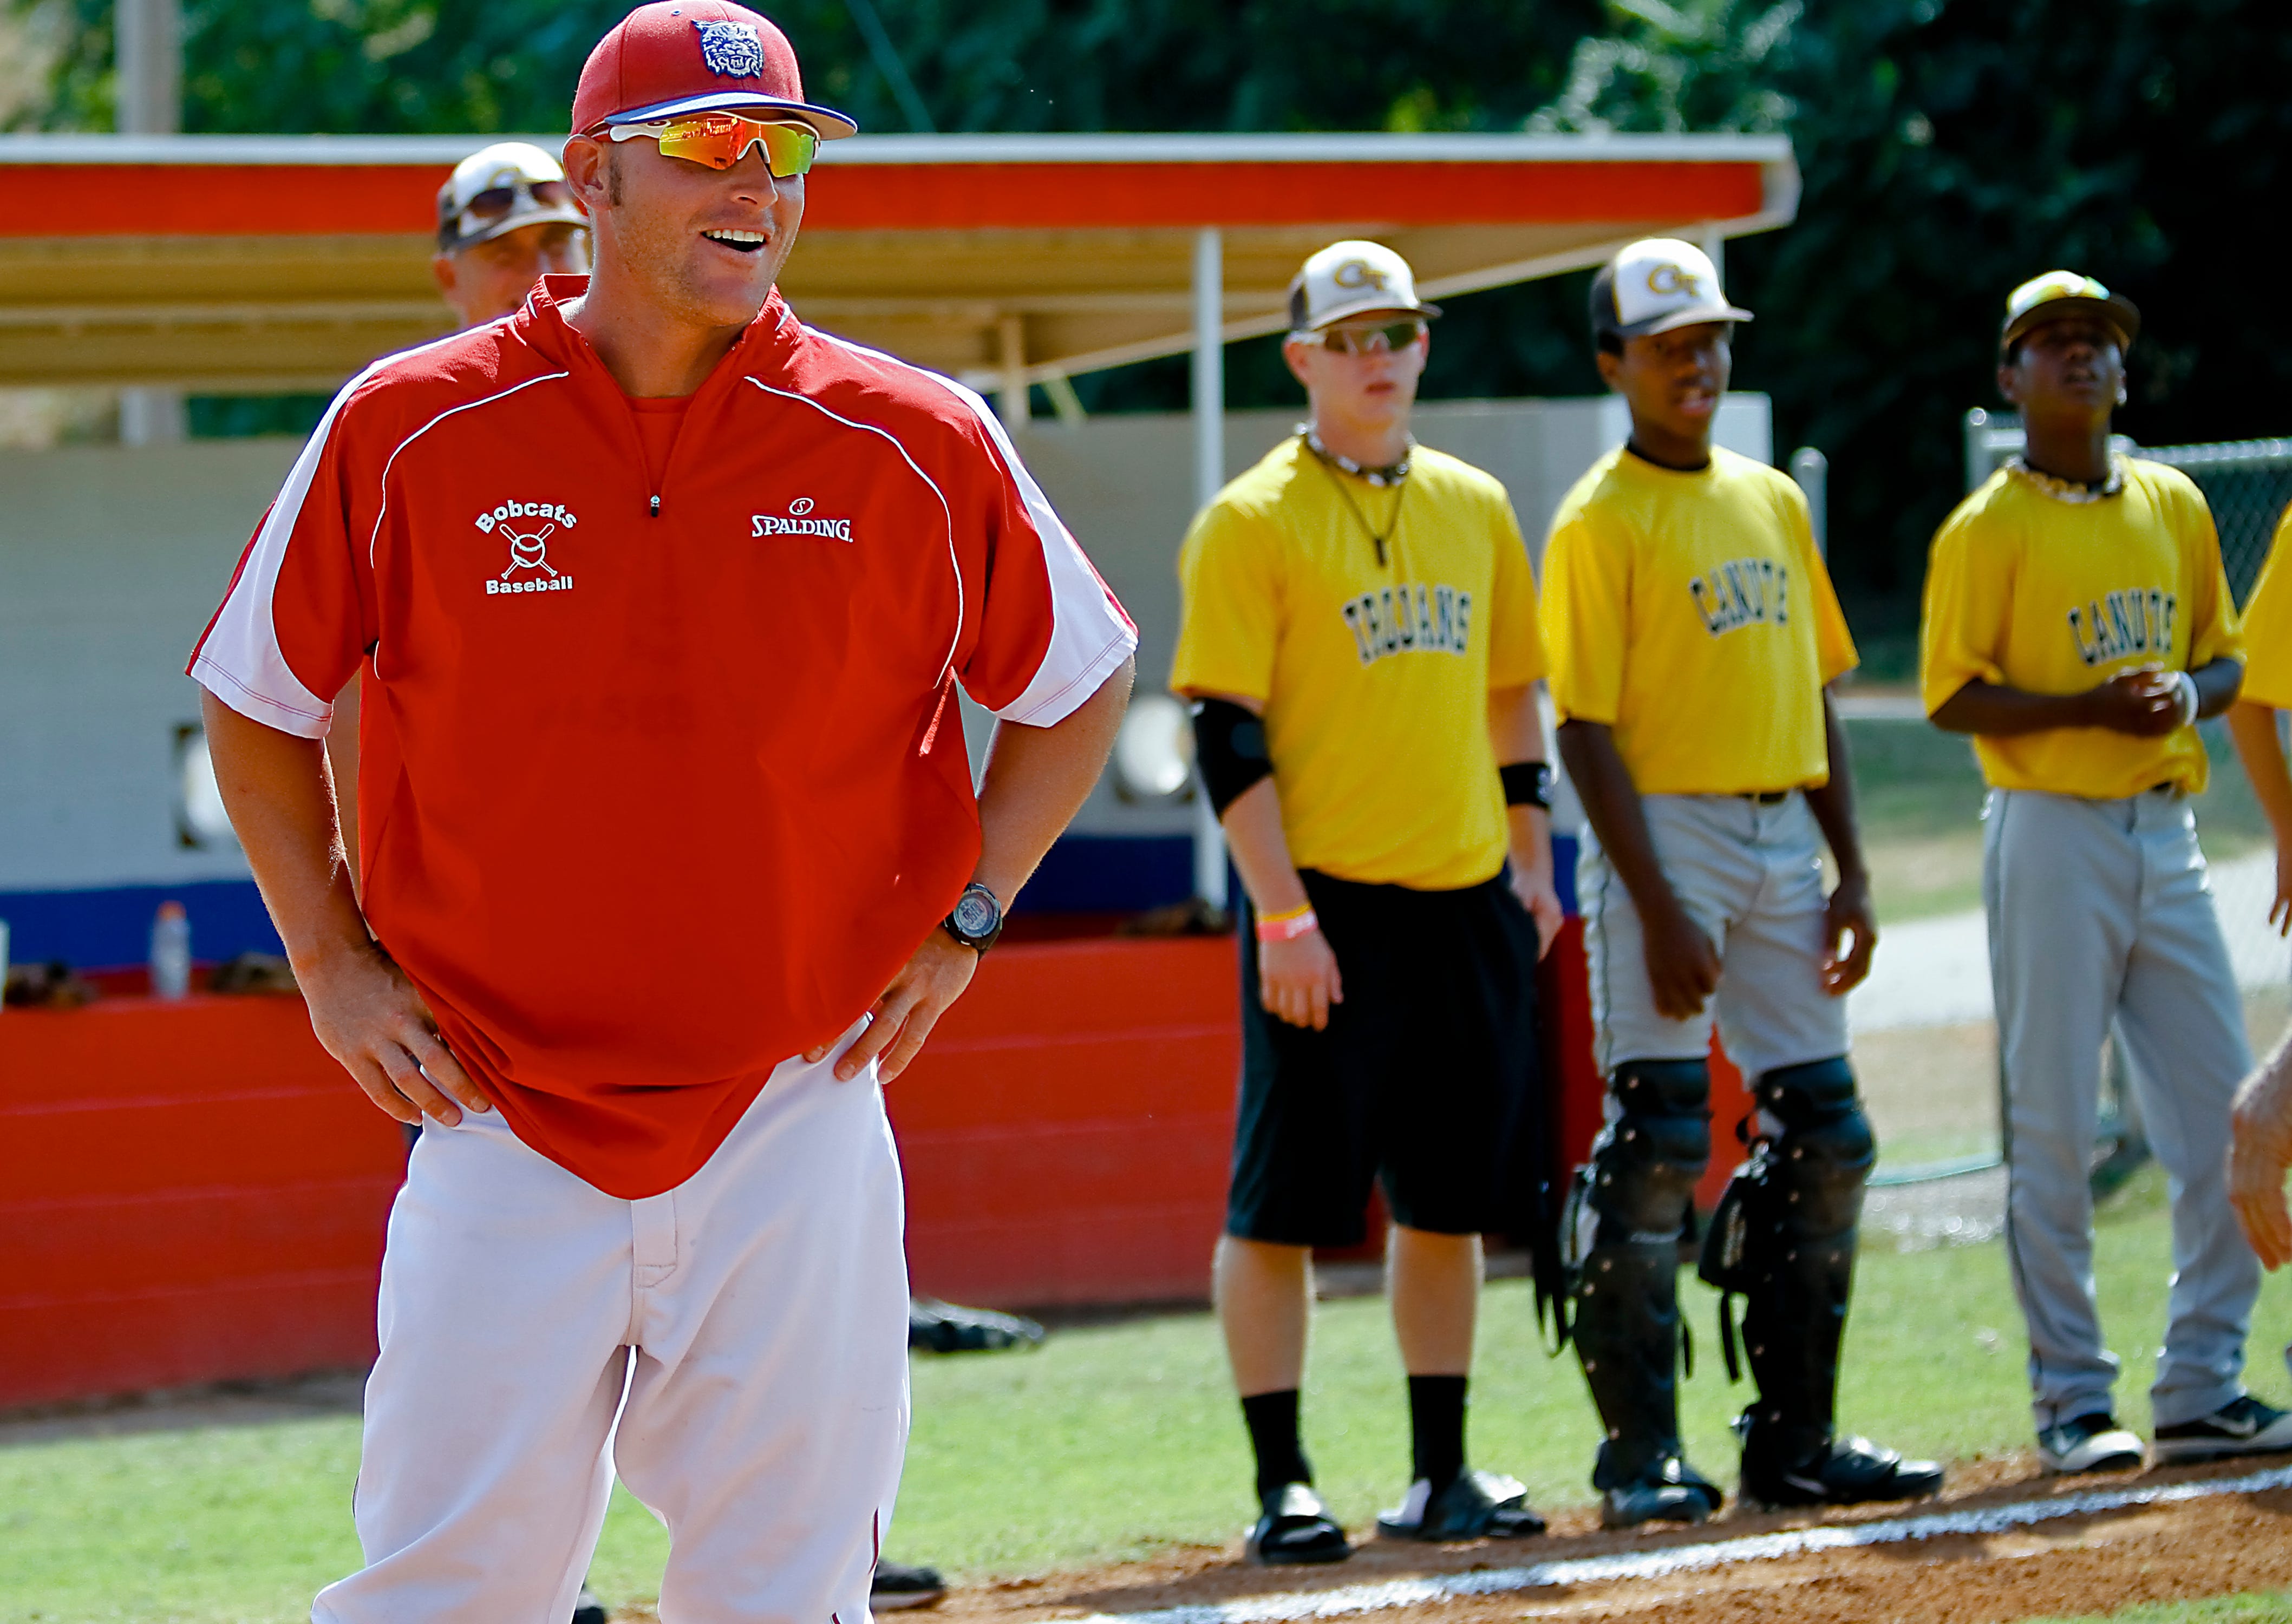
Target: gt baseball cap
1352,279
675,57
1656,285
498,189
2064,293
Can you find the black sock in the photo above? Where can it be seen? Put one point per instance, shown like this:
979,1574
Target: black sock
1271,1418
1436,1427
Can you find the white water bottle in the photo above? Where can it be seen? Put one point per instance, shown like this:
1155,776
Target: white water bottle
171,952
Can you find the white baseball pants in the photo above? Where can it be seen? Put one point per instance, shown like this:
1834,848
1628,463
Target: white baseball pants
1750,876
2099,909
756,1315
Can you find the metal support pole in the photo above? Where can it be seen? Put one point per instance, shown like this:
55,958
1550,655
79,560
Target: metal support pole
1715,248
1812,469
1210,478
1011,399
149,99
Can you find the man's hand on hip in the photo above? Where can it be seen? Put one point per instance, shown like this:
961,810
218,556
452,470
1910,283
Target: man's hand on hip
368,1015
900,1021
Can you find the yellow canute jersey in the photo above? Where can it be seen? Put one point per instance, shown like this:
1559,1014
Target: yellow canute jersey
2028,591
1374,676
1690,613
2268,627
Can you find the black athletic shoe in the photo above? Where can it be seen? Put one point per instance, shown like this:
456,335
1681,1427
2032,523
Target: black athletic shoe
1296,1527
897,1587
2091,1443
942,1328
587,1609
1473,1506
1671,1492
1850,1472
2242,1426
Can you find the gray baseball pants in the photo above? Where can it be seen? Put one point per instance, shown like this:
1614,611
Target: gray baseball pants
2099,909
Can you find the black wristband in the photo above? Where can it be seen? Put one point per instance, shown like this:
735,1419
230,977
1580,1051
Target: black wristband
1527,784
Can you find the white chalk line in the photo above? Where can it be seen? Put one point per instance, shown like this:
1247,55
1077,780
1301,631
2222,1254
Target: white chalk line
1292,1606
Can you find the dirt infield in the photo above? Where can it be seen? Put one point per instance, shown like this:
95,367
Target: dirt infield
2212,1543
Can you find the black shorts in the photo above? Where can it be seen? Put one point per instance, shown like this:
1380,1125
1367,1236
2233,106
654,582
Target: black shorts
1426,1077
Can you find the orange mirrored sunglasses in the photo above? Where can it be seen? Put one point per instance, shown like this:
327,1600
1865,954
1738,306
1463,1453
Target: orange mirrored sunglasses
721,139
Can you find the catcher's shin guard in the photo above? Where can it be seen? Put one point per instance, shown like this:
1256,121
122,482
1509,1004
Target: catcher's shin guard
1798,1249
1636,1203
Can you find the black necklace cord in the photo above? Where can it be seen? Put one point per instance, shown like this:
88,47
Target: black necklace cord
1395,475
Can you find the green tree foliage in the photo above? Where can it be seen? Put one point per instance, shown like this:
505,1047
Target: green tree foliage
370,66
1950,151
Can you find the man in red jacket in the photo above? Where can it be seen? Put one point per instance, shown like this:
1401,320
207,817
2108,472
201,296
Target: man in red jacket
663,597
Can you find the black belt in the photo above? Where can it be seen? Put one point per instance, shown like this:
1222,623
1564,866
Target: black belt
1765,798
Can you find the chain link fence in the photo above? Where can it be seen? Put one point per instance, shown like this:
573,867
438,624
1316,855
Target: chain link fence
1925,1038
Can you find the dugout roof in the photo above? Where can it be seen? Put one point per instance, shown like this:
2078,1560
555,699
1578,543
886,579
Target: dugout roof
256,263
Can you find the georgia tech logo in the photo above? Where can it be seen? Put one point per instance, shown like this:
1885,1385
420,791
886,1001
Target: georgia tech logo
730,49
530,569
1675,281
1358,274
798,521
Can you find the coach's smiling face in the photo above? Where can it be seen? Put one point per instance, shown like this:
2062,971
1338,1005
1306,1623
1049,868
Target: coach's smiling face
700,247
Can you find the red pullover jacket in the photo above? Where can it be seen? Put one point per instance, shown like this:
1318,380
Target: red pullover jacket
660,782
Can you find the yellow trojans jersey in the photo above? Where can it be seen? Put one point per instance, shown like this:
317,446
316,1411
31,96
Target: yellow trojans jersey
2268,627
2029,590
1690,613
1375,675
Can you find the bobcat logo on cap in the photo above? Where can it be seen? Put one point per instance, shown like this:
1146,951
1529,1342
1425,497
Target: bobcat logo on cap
1358,273
1671,280
730,49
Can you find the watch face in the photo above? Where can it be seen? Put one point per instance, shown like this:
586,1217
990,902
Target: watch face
974,914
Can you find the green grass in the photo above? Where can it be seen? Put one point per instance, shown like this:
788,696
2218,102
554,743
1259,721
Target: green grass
2255,1609
1110,1442
1918,793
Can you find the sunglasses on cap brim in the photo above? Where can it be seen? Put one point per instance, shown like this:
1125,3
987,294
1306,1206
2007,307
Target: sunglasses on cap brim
496,202
718,141
1368,340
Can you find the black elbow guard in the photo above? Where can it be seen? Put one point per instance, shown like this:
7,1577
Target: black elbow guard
1230,748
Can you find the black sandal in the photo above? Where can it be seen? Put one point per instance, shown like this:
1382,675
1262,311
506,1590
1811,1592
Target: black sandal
1475,1506
1296,1528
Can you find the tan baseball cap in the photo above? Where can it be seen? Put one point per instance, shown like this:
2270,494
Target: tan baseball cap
1352,279
2065,293
1656,285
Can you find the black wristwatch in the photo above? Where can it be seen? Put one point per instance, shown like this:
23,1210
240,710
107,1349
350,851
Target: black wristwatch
976,919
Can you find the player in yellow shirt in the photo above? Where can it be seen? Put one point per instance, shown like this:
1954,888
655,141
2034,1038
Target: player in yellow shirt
2077,624
1693,633
1359,641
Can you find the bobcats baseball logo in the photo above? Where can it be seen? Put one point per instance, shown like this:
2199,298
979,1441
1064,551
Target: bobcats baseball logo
1675,281
730,49
526,526
1358,274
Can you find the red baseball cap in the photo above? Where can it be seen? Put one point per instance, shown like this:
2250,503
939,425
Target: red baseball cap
677,57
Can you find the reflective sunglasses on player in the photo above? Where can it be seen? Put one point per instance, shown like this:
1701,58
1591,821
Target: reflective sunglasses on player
721,139
1369,339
